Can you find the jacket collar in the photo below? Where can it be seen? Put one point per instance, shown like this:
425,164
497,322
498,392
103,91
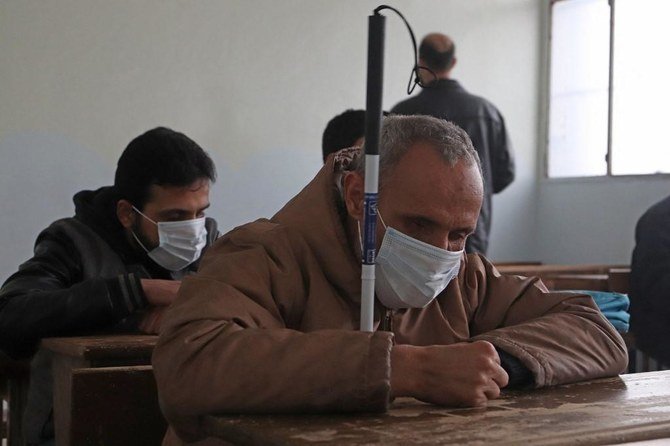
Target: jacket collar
444,84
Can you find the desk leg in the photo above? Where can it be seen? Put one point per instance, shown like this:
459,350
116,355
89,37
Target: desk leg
17,389
62,375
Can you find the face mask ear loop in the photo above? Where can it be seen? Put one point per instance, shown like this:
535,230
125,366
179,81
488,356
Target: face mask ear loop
382,220
142,214
360,237
138,241
133,232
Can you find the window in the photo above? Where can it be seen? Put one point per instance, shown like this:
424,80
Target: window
609,88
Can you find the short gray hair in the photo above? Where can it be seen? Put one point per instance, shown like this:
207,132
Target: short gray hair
400,133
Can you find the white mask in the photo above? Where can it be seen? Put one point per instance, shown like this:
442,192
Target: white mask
179,242
411,273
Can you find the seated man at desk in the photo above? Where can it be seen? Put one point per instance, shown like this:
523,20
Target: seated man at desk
115,265
270,322
650,283
345,130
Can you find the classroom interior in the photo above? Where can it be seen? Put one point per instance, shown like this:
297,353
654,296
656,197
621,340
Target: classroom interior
254,83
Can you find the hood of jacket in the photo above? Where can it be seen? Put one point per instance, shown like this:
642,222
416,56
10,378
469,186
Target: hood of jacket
97,210
318,214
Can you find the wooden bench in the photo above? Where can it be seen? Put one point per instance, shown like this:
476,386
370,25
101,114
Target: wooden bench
104,391
112,406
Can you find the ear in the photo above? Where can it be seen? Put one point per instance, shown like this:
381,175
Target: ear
125,213
453,64
354,192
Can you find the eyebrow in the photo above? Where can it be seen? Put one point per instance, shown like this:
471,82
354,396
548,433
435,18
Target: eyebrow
467,229
423,219
181,211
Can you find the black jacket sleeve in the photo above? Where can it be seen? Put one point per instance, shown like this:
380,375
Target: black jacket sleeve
48,296
502,158
519,375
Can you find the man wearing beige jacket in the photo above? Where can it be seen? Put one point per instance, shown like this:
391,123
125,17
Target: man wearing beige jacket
269,323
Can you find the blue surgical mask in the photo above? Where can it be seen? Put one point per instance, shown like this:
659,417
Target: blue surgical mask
411,273
179,242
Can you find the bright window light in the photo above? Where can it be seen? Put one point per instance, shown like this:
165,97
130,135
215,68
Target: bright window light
582,139
641,88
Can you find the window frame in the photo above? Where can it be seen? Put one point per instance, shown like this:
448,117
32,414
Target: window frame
610,93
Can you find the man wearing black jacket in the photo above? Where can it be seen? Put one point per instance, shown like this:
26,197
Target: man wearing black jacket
650,283
444,98
115,265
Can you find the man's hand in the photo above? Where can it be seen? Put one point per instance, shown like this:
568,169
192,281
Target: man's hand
465,374
160,292
151,320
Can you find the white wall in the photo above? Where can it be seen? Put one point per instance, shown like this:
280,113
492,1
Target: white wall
593,220
253,81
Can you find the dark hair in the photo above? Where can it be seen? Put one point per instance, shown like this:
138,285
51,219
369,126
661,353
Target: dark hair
436,60
343,130
162,157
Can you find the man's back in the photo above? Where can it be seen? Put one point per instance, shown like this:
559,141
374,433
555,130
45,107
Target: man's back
444,98
447,99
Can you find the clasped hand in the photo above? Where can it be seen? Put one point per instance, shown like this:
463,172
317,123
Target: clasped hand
464,374
160,294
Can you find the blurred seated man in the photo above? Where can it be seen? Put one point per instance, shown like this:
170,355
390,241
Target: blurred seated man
345,130
270,322
115,265
650,283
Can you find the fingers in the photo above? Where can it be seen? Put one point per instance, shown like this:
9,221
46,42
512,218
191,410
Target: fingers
160,292
500,377
465,375
492,380
491,366
151,321
492,391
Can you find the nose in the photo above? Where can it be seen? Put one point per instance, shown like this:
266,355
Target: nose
440,241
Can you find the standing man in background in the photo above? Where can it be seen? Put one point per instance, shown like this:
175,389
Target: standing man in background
443,97
114,266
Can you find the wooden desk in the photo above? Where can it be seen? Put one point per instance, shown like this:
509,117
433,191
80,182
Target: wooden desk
591,277
593,282
104,391
607,411
551,269
103,351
